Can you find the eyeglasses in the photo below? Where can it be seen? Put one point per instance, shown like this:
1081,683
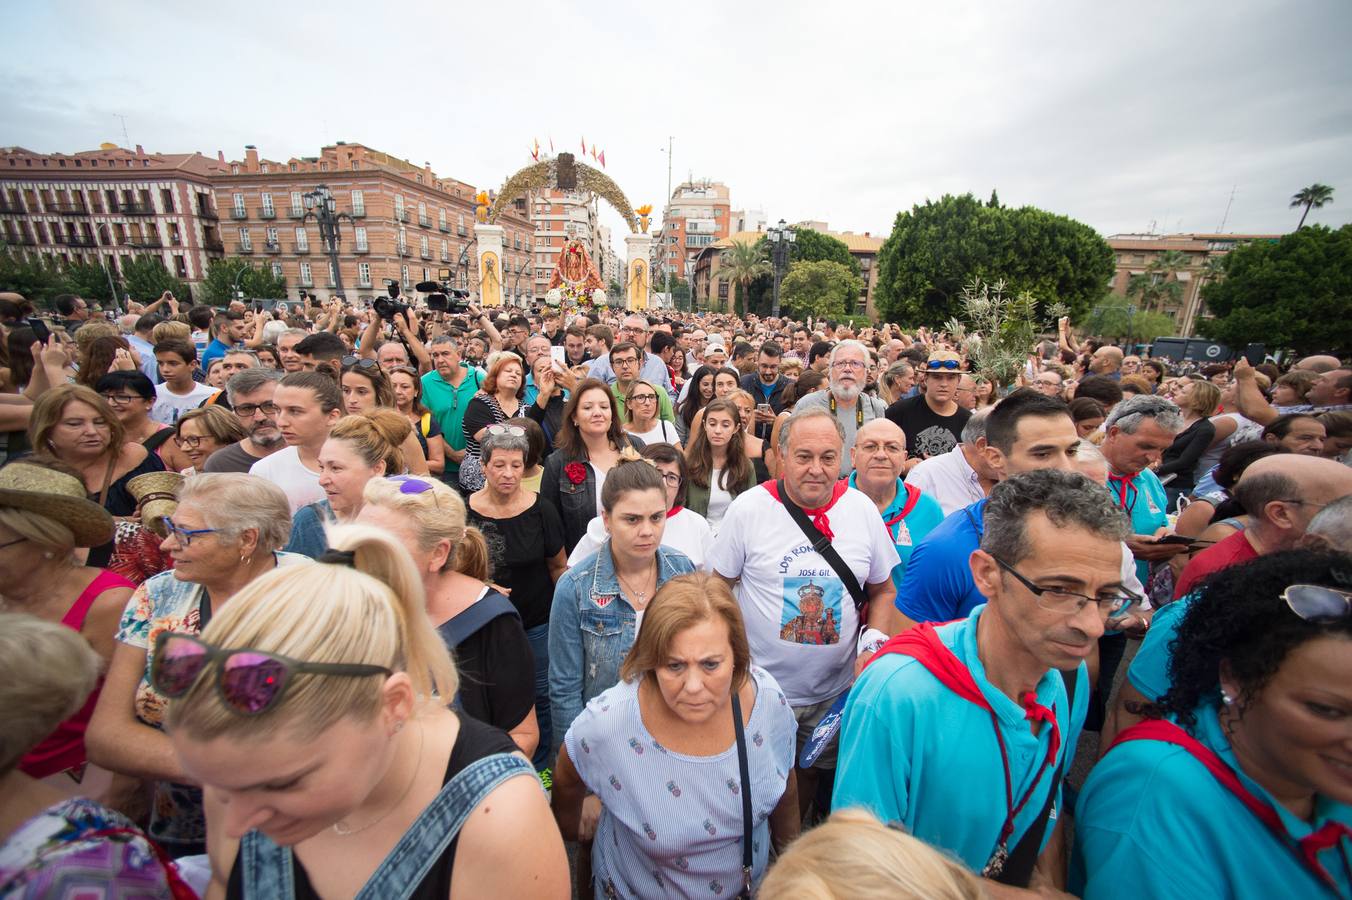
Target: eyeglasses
359,362
513,430
249,410
849,365
193,441
671,478
119,399
1069,602
631,361
183,535
12,543
1317,604
248,681
1042,382
642,398
942,364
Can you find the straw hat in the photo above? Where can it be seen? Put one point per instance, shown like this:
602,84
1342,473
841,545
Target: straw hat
156,496
58,496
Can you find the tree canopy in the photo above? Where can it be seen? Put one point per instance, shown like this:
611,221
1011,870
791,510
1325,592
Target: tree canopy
1116,317
819,288
809,245
935,250
145,278
254,281
1295,292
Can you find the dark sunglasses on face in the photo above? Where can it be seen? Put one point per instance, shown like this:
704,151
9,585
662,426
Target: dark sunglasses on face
248,681
942,364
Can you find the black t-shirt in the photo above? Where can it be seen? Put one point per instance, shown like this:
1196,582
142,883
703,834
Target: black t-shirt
497,673
927,433
517,550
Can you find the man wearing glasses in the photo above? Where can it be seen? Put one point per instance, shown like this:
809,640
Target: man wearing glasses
634,330
961,733
1048,384
932,420
846,399
250,393
624,363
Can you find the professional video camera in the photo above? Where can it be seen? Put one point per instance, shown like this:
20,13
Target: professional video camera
442,296
389,307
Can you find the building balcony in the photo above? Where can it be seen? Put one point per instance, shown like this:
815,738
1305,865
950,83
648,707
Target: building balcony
207,213
362,248
213,246
238,213
70,209
358,212
245,249
295,212
11,208
460,230
149,243
401,215
445,257
266,213
402,251
300,249
424,222
305,282
134,209
442,226
75,240
363,283
425,254
272,247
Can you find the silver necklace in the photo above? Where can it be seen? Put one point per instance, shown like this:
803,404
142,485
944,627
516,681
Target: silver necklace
341,828
640,597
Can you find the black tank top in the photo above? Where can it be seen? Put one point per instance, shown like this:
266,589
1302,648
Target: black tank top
475,741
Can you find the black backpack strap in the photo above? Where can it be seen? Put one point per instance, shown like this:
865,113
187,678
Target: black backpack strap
1018,869
462,627
822,544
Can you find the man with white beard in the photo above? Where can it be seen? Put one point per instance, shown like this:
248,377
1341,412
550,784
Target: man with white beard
851,408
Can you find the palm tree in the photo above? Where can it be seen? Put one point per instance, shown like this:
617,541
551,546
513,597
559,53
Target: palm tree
1316,196
742,265
1155,286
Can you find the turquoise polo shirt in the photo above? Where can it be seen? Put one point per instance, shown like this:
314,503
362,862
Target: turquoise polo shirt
1149,670
911,530
915,753
448,404
1153,822
1146,504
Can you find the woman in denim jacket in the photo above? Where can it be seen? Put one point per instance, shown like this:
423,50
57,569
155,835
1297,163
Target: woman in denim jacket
586,449
599,603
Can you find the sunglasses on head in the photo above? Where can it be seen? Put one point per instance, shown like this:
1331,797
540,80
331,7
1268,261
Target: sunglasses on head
942,364
248,681
1318,604
359,362
513,430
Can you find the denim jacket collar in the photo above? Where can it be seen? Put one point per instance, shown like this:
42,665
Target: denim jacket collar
606,584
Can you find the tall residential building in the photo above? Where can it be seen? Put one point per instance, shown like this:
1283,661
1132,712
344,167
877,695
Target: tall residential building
406,222
559,216
1134,254
698,214
110,205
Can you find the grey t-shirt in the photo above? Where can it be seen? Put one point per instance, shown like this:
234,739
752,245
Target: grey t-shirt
869,408
232,459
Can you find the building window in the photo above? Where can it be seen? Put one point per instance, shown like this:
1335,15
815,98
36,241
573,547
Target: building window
245,240
445,255
422,212
361,237
305,277
294,167
358,203
422,247
302,239
167,199
266,199
427,274
180,265
363,269
276,269
297,204
239,205
234,169
441,219
265,168
403,274
403,240
355,167
272,237
398,204
333,275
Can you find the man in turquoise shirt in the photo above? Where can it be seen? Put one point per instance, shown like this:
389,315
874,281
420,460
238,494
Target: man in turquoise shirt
917,751
447,389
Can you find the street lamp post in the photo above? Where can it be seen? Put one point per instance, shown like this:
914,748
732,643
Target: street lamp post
781,240
322,206
234,289
463,261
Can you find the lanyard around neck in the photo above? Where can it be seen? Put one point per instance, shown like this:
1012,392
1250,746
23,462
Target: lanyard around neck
858,409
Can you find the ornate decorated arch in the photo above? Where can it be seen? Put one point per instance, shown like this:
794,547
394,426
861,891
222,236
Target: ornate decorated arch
564,173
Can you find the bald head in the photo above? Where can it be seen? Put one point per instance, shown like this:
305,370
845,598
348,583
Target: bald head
1283,493
1318,364
877,456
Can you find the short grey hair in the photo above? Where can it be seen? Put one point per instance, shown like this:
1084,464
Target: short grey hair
1333,523
812,412
975,429
232,503
1068,499
250,380
1130,413
492,442
243,351
1254,491
294,332
857,346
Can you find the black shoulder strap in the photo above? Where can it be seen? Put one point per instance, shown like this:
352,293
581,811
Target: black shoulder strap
1018,869
462,627
744,769
822,544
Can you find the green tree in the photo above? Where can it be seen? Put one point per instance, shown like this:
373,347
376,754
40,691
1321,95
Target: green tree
39,279
145,278
937,249
809,245
1315,196
821,289
1294,292
740,265
1154,289
680,292
89,280
222,275
1116,317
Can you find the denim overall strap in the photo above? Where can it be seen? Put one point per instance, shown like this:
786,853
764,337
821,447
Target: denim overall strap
418,850
267,867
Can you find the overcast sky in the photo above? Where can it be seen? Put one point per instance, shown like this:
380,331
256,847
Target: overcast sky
1122,116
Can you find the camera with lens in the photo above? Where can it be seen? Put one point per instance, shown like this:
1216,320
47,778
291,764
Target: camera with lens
389,307
442,296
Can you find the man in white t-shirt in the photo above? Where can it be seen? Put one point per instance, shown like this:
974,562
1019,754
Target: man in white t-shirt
961,476
801,621
308,404
178,393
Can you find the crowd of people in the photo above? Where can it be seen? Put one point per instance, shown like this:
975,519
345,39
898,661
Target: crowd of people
646,605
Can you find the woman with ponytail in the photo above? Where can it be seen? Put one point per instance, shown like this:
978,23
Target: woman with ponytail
360,447
309,724
476,622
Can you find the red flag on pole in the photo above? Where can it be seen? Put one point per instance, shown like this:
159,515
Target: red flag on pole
584,146
551,143
593,151
603,159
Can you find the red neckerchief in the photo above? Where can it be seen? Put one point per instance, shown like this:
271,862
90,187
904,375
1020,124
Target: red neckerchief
922,643
912,498
1122,483
1309,847
818,515
674,510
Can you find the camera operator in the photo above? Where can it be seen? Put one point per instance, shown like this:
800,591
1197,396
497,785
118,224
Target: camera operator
375,344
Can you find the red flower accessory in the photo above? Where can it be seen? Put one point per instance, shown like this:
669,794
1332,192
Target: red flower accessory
576,472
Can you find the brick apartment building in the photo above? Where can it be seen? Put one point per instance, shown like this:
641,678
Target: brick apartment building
698,215
559,216
110,205
406,223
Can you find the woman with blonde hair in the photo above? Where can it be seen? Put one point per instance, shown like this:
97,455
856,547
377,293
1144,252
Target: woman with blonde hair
310,724
198,433
853,856
1198,400
359,448
675,820
475,621
755,446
